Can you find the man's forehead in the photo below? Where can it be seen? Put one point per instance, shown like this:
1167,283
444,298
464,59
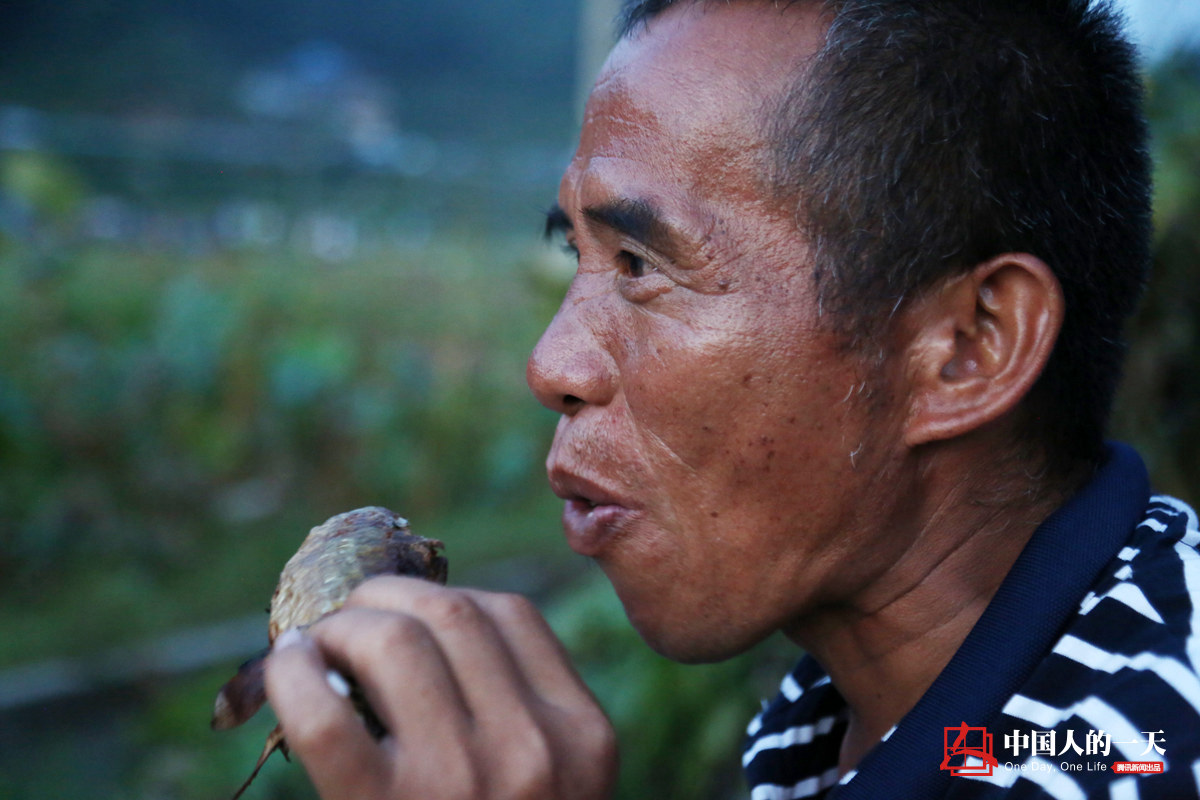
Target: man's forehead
741,50
676,116
700,74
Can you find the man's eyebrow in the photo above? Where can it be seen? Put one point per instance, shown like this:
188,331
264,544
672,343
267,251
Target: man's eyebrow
638,219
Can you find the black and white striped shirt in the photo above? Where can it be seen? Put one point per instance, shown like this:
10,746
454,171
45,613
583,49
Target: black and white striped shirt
1087,659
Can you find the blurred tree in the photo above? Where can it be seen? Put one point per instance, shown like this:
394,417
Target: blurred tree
1159,407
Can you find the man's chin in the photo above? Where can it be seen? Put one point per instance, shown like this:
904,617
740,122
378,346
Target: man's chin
688,642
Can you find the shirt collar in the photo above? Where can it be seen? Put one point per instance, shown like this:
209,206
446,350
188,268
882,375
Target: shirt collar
1019,626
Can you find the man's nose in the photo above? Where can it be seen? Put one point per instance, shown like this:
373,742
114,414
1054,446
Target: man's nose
569,367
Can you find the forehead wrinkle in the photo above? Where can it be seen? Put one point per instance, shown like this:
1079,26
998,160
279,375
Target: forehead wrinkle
715,52
677,115
669,80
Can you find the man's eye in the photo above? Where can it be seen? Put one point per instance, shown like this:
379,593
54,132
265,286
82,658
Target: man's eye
634,266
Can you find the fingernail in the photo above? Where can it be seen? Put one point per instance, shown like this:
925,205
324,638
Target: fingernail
292,637
337,682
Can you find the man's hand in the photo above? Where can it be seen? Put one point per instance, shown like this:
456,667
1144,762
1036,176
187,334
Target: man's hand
477,694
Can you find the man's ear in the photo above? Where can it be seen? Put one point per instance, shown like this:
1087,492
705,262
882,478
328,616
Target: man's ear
977,344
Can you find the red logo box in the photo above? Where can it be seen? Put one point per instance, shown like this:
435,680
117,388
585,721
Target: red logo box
963,742
1137,766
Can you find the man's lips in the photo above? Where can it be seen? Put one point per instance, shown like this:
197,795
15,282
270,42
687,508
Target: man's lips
592,513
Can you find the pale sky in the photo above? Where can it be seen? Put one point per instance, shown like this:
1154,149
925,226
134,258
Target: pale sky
1161,26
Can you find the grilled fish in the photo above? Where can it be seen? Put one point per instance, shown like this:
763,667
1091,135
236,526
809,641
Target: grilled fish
334,558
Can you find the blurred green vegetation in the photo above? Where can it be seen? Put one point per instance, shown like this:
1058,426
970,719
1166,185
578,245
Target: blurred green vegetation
174,418
1159,405
156,412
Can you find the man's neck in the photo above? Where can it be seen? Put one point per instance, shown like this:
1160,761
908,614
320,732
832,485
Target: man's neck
885,648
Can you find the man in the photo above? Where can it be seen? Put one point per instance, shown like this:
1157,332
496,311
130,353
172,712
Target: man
837,362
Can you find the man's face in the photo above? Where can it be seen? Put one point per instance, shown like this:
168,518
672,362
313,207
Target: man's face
714,449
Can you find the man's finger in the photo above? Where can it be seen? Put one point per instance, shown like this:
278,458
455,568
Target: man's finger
522,692
319,724
402,671
475,649
546,664
539,662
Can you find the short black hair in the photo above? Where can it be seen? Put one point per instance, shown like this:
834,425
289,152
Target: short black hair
927,136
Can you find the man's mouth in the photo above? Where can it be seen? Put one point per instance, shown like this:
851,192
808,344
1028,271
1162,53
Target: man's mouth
592,514
590,527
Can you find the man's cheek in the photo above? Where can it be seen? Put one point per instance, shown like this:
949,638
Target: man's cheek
674,439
